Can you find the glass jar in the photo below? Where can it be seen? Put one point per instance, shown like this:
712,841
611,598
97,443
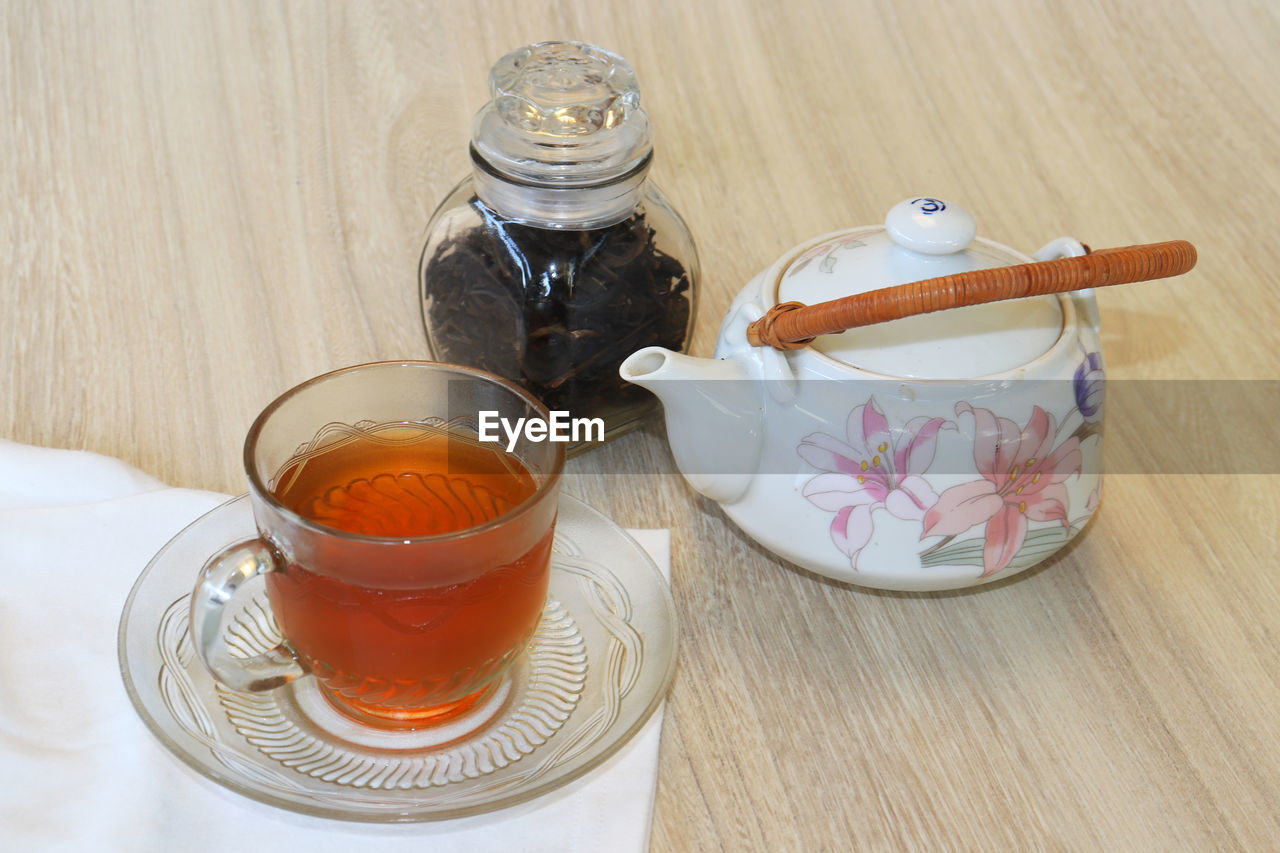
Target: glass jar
556,257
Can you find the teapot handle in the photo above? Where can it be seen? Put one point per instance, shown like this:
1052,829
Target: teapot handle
792,325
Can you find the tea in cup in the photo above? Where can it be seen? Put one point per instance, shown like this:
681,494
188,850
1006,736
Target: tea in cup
406,560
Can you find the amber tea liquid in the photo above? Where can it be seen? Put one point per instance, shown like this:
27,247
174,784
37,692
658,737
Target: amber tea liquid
417,639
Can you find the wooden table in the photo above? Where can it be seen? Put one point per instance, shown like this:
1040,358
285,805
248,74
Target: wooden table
205,203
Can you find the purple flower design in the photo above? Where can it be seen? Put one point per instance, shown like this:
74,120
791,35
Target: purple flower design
871,471
1089,386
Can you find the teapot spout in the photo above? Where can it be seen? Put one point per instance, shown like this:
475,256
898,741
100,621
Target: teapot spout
713,412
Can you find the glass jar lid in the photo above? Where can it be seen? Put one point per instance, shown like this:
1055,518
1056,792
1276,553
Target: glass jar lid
562,114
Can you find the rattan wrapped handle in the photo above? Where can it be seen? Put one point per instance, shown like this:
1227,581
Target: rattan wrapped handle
792,325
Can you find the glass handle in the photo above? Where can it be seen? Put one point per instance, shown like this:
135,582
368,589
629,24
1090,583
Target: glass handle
220,579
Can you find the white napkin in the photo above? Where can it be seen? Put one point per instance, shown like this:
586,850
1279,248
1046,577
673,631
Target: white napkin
79,771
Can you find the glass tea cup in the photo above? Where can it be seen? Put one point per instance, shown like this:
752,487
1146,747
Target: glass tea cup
406,561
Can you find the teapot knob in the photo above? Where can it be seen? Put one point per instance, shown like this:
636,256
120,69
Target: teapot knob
930,226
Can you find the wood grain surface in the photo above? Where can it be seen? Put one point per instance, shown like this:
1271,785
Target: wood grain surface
205,203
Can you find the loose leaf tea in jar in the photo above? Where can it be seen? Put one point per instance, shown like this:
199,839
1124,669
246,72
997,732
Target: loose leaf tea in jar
556,258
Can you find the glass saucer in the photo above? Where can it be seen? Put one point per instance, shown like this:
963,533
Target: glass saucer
600,663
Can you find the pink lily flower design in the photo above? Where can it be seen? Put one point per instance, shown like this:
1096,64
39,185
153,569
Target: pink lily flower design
871,471
1022,475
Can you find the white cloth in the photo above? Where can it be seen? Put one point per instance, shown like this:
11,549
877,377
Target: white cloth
79,771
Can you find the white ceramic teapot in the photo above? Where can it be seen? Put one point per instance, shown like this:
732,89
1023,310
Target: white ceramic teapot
930,452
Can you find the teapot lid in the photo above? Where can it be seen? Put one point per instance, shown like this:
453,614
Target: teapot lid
922,238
